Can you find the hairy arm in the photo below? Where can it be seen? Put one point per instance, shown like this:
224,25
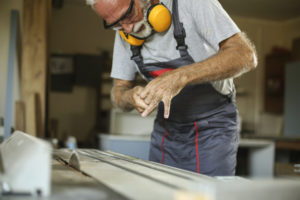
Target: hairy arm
235,57
126,97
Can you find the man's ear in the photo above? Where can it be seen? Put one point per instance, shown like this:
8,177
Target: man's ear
153,2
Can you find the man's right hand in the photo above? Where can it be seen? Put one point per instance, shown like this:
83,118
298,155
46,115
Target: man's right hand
136,100
127,97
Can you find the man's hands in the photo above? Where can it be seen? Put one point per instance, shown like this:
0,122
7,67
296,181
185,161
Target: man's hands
146,99
162,88
136,100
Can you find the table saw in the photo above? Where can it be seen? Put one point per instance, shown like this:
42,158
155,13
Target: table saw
94,174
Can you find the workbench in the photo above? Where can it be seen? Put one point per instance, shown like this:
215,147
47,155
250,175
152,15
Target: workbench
281,142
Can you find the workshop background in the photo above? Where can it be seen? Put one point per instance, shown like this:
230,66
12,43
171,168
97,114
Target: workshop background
61,86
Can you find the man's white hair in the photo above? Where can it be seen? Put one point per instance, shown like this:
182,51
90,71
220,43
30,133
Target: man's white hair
93,2
90,2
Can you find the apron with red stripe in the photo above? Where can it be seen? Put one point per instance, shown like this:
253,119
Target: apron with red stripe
200,134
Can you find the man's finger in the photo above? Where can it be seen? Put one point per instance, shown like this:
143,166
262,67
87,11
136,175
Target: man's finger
167,105
144,93
140,110
151,97
147,89
139,102
149,110
139,90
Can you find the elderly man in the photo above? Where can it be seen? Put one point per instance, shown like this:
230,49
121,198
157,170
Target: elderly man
189,51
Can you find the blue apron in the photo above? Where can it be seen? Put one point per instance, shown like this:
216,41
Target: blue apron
201,133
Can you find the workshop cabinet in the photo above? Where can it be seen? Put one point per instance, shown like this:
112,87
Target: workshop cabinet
275,80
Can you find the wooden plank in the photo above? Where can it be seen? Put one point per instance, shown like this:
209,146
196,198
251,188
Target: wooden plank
146,181
34,59
130,184
134,179
127,183
20,116
163,168
30,114
68,183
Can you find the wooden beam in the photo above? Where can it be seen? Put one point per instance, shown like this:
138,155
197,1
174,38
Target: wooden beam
32,114
34,62
20,116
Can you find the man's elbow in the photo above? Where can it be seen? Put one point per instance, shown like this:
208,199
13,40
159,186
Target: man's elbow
250,57
248,53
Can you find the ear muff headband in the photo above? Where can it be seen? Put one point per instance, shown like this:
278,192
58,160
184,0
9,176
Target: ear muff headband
159,17
130,39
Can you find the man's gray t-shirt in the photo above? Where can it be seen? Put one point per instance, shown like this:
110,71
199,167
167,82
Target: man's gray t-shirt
206,24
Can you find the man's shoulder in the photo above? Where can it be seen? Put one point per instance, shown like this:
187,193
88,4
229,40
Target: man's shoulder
197,4
193,7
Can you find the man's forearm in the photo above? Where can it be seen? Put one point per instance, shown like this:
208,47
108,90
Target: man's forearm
234,58
121,96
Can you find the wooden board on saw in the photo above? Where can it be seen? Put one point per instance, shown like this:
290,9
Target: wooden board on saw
68,183
135,180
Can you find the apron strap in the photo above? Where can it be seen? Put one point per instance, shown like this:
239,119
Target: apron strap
136,55
179,31
136,51
138,59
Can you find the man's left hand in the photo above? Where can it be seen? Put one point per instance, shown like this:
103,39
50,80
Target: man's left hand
162,88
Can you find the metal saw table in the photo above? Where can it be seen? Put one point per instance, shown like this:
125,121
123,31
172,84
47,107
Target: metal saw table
94,174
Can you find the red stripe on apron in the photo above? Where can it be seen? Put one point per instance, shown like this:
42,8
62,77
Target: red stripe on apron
162,143
196,142
159,72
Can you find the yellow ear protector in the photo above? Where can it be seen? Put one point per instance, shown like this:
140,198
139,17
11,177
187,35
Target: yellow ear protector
130,39
158,16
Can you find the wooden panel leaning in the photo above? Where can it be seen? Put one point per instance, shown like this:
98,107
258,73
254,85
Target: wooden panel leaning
34,59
